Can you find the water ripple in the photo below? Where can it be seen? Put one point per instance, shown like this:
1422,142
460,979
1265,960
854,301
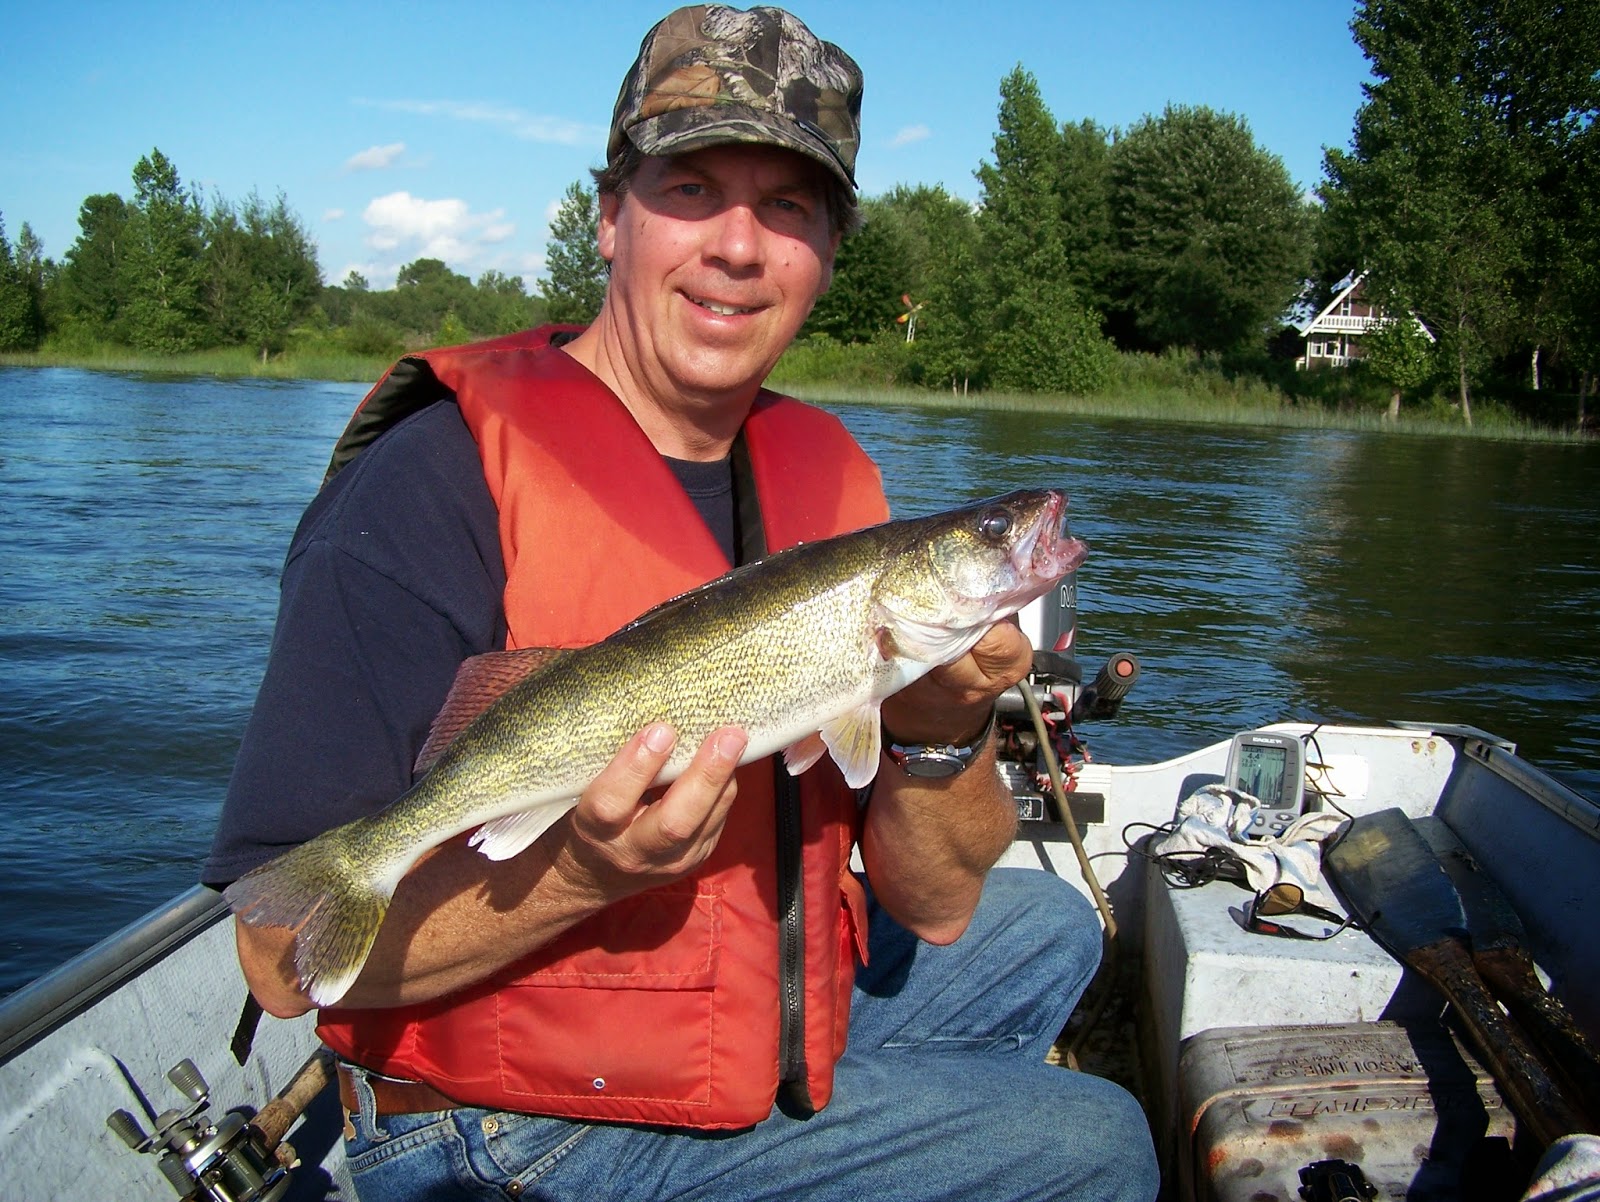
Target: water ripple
1258,575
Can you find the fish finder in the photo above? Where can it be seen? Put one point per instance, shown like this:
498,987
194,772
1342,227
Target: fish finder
1271,767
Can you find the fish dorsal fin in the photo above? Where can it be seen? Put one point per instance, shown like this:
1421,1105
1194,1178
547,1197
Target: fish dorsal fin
854,739
690,598
480,682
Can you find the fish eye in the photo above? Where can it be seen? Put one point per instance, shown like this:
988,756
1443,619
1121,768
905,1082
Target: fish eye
994,525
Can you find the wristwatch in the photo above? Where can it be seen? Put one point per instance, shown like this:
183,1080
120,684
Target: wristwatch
935,760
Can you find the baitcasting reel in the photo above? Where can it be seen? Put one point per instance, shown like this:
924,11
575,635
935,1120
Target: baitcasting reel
224,1162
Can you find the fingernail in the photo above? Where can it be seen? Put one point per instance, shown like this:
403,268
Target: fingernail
731,744
659,738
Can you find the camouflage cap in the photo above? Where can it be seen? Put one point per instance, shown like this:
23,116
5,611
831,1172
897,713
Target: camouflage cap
709,75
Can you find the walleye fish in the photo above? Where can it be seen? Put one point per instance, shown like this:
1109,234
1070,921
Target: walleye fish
799,649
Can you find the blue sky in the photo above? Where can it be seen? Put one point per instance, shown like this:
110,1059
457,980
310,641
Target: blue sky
407,129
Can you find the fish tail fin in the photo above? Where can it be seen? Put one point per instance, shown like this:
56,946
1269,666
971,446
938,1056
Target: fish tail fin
334,912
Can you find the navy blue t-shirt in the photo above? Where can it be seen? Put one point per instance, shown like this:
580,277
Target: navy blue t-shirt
393,578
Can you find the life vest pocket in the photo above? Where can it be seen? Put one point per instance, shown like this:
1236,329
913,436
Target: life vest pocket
626,1016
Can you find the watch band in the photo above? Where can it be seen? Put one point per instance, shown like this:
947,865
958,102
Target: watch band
935,760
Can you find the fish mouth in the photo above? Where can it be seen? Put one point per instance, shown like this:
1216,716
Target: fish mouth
1047,552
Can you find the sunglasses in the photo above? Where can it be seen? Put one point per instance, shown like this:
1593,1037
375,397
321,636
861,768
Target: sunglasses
1288,898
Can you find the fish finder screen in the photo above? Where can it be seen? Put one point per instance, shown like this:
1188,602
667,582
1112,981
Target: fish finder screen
1261,771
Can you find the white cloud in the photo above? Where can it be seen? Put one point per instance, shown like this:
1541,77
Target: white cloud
414,227
910,134
375,158
531,127
333,215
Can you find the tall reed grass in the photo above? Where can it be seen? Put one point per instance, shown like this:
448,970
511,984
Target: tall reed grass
311,363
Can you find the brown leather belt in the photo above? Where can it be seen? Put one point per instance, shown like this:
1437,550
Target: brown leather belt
392,1097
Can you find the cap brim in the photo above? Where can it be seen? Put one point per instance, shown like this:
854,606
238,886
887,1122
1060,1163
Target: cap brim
684,130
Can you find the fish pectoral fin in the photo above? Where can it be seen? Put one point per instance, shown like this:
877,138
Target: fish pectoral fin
801,754
854,739
511,834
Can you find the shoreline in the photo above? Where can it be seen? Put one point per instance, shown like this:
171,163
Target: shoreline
1153,403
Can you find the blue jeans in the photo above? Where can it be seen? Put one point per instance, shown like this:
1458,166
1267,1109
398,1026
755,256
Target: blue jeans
943,1092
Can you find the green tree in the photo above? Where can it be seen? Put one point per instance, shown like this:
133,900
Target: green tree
285,275
1540,62
1084,185
261,272
1400,355
1466,167
91,273
452,331
37,274
227,276
425,290
922,219
343,303
426,274
21,314
500,305
939,236
953,323
576,275
162,272
1041,337
1212,236
1578,304
870,273
1335,259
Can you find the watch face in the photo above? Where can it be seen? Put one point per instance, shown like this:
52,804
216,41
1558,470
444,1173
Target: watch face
927,761
933,766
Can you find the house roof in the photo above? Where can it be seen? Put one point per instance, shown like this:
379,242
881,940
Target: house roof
1345,291
1346,287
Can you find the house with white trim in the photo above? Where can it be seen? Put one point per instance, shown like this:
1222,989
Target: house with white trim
1333,337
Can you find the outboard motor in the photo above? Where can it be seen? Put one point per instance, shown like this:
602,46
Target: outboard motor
1051,623
1060,698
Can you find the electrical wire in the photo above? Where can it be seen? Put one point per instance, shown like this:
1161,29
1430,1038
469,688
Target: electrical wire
1324,769
1112,953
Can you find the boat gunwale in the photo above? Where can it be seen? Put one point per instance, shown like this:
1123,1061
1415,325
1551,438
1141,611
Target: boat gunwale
38,1008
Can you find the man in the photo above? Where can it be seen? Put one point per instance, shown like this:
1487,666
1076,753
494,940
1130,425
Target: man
652,1000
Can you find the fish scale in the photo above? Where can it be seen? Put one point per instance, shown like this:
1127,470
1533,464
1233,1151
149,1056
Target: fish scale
807,641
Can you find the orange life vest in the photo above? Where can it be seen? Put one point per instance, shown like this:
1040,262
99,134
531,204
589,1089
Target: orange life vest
693,1004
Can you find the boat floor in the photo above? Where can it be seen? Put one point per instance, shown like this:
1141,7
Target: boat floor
1102,1036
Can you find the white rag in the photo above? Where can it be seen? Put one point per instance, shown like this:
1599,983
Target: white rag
1217,816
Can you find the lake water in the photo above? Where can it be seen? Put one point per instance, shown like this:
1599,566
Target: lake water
1257,574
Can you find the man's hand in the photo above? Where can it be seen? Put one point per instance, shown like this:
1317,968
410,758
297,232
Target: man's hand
929,844
625,838
951,703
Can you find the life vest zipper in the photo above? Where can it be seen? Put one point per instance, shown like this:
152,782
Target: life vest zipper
794,1087
792,1075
